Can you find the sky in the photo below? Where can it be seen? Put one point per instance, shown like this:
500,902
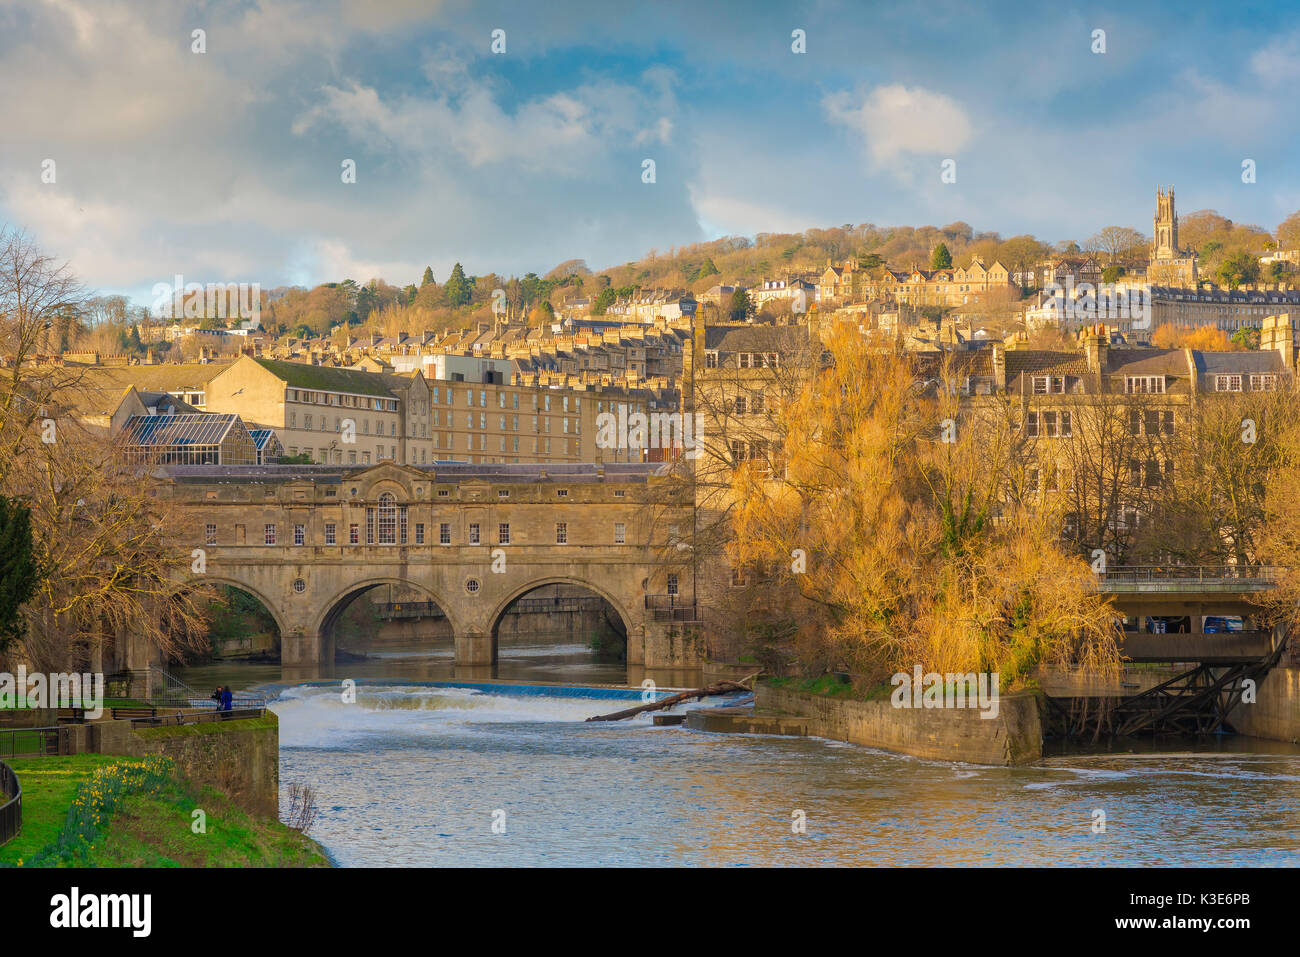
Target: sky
227,165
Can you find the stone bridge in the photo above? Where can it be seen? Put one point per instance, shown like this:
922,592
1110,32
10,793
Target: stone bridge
308,540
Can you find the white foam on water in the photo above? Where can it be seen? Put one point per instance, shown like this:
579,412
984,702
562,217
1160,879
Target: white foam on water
315,716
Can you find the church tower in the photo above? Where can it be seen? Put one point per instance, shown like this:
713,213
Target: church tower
1166,227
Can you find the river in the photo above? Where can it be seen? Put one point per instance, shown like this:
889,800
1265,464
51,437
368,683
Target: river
419,775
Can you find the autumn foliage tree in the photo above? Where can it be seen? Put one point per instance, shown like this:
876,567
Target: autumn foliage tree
900,528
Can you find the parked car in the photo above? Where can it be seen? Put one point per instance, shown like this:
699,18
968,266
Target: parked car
1218,625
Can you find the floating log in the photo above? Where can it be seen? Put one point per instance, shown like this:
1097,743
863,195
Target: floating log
718,687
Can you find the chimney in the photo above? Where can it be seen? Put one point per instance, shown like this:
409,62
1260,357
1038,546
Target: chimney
1277,333
1095,341
999,367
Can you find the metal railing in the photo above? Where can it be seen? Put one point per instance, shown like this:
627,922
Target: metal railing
1259,576
670,608
11,811
194,717
32,742
523,606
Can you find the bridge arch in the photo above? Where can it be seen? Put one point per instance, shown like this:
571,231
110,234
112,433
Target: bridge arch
271,607
341,599
611,599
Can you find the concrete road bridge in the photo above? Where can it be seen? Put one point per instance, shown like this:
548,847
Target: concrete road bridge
471,539
1193,592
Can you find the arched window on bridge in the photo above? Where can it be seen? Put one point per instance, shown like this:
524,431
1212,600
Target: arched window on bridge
387,517
386,524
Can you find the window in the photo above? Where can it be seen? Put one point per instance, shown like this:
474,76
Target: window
1263,383
740,405
444,532
710,360
561,533
1049,384
268,534
620,533
387,516
1144,384
331,533
1033,425
474,533
419,533
444,492
562,492
503,493
1227,383
672,583
620,493
503,533
300,534
354,534
210,534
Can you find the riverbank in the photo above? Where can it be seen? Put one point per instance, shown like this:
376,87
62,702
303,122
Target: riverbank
95,810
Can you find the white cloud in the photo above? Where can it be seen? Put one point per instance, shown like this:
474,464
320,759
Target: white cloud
896,120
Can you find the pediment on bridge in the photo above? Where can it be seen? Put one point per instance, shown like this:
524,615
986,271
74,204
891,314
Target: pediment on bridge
390,474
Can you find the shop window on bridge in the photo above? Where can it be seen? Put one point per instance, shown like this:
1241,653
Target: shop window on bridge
474,533
419,533
331,533
444,533
210,534
268,534
672,583
354,534
300,534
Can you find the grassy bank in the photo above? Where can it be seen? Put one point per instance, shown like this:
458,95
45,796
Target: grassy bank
103,811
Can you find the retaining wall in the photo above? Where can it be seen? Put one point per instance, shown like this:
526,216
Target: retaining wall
1015,736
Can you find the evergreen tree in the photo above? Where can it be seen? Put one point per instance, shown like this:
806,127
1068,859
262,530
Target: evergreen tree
707,269
941,258
428,276
740,307
458,287
604,299
18,567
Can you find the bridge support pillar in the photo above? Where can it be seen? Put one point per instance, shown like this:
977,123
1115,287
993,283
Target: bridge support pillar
476,648
306,649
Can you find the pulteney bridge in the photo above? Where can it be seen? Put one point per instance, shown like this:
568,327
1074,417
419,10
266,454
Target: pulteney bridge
472,539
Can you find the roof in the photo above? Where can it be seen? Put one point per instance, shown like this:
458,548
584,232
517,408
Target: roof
1266,360
441,472
164,377
756,338
1028,361
173,430
303,376
1147,362
262,437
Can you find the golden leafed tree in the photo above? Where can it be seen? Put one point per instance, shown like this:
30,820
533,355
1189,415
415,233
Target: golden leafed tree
909,527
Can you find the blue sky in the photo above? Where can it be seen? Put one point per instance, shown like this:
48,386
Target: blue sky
225,166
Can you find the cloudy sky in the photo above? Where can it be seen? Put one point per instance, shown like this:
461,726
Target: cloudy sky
227,165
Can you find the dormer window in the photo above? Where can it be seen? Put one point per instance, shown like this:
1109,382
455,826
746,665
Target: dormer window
1144,384
1049,385
1227,383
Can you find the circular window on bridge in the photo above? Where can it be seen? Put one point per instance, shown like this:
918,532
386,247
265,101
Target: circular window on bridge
472,585
300,585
